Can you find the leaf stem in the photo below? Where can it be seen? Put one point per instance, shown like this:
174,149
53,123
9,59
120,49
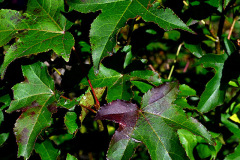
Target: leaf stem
232,26
97,106
175,60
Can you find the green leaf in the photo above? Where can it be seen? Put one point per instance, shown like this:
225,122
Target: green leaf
1,117
230,47
38,87
6,100
40,29
28,126
185,92
70,121
143,87
213,95
46,150
235,155
70,157
154,124
3,138
114,15
188,140
119,85
195,49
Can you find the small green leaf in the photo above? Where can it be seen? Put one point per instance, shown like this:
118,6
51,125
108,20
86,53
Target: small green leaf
3,138
143,87
70,121
46,150
195,49
70,157
230,47
6,100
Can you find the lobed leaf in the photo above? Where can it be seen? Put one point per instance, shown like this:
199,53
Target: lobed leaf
40,29
114,15
154,124
38,87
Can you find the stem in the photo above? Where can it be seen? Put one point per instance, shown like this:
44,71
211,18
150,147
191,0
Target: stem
220,29
97,106
232,26
175,60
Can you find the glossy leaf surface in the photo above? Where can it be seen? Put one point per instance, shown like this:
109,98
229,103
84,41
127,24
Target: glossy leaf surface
114,15
154,124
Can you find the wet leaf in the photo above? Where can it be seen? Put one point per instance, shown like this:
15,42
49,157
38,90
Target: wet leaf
154,124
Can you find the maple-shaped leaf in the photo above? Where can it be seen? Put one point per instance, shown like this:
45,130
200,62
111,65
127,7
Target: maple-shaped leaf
39,87
34,98
155,124
119,85
114,15
41,28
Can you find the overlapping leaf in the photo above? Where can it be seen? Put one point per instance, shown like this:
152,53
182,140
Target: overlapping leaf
119,85
33,97
154,124
114,15
40,29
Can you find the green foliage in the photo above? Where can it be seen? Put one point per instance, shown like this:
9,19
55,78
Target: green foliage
167,73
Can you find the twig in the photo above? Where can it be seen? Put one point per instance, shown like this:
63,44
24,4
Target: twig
97,106
232,26
175,60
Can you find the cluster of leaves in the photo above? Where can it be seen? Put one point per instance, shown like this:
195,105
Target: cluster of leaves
50,108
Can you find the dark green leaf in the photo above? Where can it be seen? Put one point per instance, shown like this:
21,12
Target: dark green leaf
28,127
143,87
46,150
230,47
39,87
155,125
3,138
40,29
114,15
6,100
213,95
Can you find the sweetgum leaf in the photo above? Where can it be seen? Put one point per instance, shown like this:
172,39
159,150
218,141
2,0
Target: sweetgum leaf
29,125
40,29
39,87
114,15
154,124
119,85
46,150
